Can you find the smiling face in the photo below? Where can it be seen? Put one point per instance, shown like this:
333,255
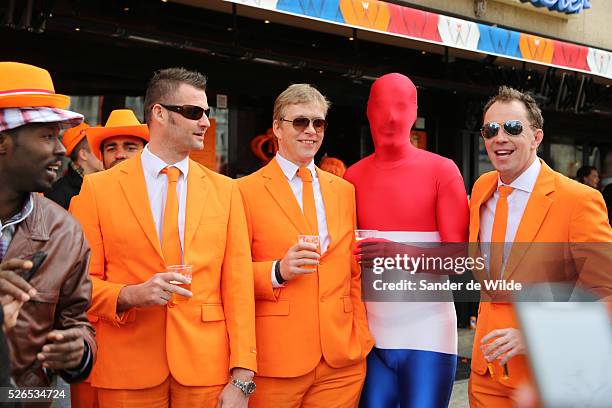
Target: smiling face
32,156
299,146
511,155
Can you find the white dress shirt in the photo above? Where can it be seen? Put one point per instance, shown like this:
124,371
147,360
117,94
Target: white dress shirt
157,189
295,182
517,202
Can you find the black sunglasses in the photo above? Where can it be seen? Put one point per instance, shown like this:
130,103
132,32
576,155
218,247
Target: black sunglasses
511,127
192,112
301,123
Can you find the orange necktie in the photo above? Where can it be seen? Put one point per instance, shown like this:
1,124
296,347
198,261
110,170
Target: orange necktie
498,235
171,242
308,202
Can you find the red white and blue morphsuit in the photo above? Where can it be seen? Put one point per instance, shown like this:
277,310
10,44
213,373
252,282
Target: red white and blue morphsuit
408,195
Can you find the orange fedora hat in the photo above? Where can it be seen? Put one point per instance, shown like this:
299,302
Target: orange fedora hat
24,85
73,137
121,122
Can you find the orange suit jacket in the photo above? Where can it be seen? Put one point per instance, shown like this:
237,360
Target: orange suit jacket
559,210
197,341
319,314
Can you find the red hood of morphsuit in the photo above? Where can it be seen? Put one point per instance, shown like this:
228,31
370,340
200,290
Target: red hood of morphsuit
392,110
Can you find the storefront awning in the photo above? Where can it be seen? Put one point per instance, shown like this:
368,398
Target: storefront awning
409,23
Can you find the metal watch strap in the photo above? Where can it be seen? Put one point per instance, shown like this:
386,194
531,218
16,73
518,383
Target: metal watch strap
247,387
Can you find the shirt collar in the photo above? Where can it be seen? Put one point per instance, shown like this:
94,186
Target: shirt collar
526,181
153,165
290,169
26,210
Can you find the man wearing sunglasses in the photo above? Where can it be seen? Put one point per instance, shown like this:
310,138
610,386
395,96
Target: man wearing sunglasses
121,138
150,212
524,201
312,332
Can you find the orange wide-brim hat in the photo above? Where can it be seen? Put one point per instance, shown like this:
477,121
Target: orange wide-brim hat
24,85
73,137
121,122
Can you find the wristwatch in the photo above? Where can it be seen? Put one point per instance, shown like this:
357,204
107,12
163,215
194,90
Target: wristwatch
247,387
277,273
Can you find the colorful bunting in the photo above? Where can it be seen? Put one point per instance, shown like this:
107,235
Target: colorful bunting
536,48
600,62
570,55
323,9
458,33
372,14
499,41
453,32
414,23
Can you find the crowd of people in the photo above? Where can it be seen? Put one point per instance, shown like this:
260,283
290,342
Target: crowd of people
265,319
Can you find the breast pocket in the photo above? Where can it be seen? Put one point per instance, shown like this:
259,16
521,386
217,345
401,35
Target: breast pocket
42,307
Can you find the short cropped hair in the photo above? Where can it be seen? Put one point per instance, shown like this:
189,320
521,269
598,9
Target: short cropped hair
298,94
507,94
166,82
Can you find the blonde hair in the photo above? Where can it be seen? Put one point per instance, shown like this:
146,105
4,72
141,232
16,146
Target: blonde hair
298,94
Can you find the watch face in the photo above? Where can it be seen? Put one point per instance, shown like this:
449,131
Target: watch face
250,387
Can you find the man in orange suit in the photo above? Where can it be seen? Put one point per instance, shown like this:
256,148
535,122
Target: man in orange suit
525,201
154,210
312,333
121,138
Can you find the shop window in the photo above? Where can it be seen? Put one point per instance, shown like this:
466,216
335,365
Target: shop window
606,167
136,104
222,149
594,157
484,164
88,106
565,158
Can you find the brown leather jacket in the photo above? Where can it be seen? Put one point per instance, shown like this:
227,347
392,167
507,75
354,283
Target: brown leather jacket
63,285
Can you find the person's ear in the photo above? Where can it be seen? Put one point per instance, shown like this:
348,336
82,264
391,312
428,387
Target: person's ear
276,128
538,136
157,113
83,155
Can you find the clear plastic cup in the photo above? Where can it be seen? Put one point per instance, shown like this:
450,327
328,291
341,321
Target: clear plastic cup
186,271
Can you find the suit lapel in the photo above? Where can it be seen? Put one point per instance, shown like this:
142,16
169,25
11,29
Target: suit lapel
535,212
278,187
197,192
477,201
331,200
134,188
